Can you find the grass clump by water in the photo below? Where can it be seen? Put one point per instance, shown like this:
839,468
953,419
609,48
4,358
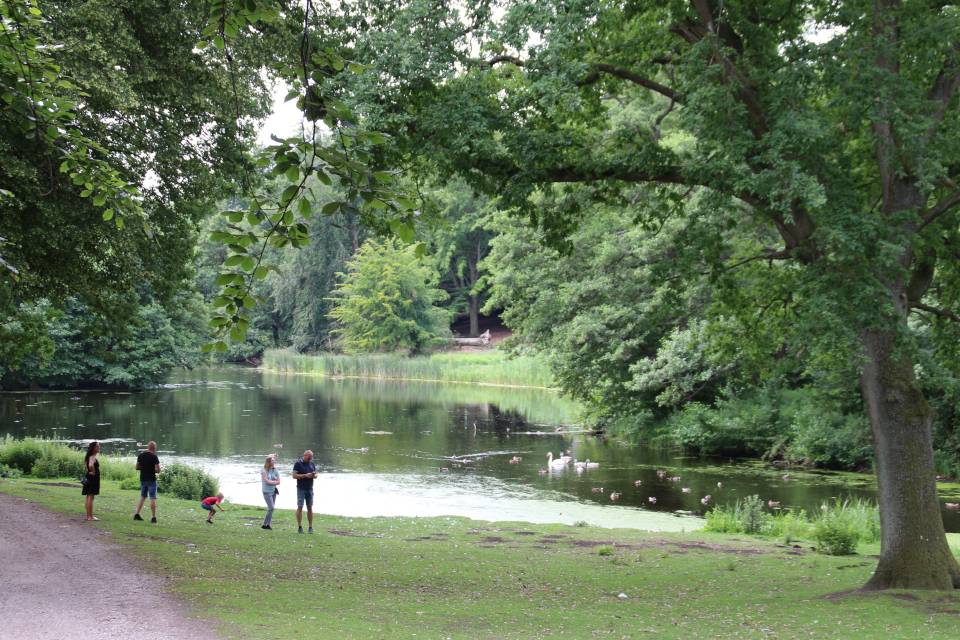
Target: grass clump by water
491,367
461,579
837,530
42,458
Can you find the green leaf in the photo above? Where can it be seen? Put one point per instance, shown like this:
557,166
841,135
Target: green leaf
108,214
247,264
293,173
99,200
304,207
221,346
218,43
233,261
207,348
261,273
406,233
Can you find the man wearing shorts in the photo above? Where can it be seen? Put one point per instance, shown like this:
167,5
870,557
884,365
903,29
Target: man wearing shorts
304,472
148,464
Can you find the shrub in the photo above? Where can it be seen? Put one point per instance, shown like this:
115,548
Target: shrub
130,483
751,514
186,482
22,454
745,516
836,535
605,550
59,462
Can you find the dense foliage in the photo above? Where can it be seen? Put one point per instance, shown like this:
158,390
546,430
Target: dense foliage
385,301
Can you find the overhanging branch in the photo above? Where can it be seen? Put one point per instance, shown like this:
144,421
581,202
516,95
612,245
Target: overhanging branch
937,312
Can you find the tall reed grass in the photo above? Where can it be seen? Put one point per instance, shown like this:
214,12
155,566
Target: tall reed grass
484,368
837,528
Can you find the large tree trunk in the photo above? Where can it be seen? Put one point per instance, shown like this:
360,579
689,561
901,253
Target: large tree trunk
474,302
914,553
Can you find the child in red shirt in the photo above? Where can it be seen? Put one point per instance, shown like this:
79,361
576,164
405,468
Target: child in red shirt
210,503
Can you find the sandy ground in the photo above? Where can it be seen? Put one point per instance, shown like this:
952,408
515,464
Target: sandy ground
63,578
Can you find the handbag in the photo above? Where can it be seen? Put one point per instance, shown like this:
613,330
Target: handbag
84,479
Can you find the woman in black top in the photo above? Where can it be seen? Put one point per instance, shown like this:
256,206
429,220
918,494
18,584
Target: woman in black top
92,488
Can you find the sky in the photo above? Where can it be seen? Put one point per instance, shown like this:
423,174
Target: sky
285,118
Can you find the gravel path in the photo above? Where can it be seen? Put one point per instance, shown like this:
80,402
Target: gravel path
62,578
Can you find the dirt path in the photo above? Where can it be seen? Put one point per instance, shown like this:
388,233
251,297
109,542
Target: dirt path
63,578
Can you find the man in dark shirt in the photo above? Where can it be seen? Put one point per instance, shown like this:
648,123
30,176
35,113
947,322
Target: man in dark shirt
148,464
304,472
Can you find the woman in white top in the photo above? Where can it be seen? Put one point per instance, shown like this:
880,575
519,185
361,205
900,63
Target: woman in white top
269,479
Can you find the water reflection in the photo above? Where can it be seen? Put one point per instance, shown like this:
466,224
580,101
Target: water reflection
380,447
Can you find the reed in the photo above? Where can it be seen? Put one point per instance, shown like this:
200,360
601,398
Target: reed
478,368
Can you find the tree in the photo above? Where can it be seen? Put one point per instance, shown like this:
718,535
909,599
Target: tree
385,301
827,128
140,109
461,242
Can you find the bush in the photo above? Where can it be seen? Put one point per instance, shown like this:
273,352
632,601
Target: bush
745,516
59,462
130,483
120,468
835,535
22,454
186,482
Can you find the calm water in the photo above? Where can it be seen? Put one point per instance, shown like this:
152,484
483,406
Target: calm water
227,419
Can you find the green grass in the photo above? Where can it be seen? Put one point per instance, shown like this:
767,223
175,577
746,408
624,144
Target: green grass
491,367
462,579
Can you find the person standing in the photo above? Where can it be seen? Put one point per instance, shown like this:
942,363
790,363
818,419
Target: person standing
269,479
305,472
148,464
91,488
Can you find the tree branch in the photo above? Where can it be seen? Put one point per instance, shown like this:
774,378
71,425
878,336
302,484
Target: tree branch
937,312
946,203
943,89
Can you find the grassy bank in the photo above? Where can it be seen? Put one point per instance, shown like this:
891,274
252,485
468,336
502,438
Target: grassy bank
489,367
461,579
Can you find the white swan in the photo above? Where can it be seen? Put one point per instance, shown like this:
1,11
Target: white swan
592,465
554,463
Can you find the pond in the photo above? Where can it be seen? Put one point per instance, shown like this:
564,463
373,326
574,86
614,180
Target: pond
381,445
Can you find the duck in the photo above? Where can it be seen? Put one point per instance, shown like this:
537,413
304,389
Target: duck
443,469
614,495
637,483
276,446
719,485
705,500
686,489
456,466
953,505
773,504
364,449
675,479
544,472
652,500
786,476
579,465
592,465
662,474
597,489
